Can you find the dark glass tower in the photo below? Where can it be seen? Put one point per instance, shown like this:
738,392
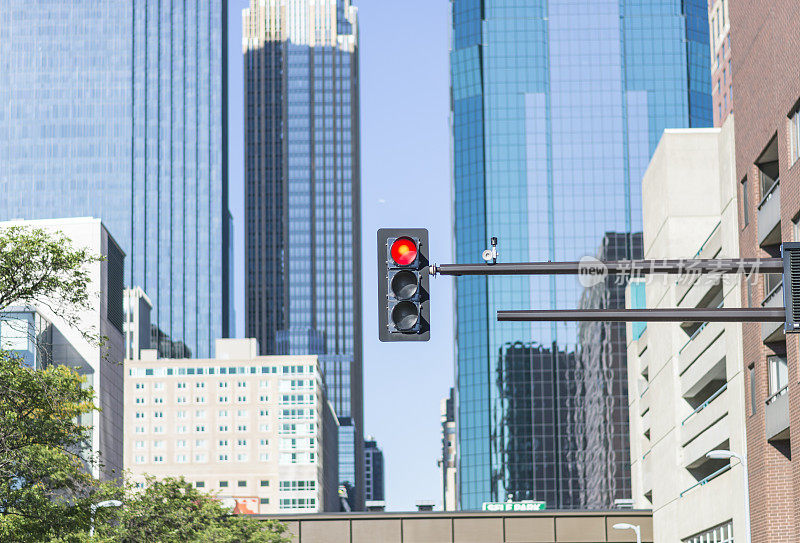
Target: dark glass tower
556,108
117,110
302,200
373,467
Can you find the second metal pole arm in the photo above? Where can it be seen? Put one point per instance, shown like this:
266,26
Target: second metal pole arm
625,267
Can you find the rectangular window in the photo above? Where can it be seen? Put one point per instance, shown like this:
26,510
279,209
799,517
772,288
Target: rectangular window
223,484
264,482
749,284
241,484
768,174
794,132
264,501
200,484
753,399
745,203
778,374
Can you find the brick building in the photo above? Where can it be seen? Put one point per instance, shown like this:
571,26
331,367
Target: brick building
719,26
766,55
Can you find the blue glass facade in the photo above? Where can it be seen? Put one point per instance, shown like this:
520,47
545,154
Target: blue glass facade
557,107
303,202
117,110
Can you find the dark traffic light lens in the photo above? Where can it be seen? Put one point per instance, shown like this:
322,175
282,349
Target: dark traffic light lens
404,251
405,285
405,316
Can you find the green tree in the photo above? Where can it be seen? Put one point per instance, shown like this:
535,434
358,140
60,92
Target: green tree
43,268
43,478
46,490
173,511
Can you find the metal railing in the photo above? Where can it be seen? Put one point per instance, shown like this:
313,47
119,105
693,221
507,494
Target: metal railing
703,246
691,338
697,332
705,403
714,475
780,392
768,193
773,282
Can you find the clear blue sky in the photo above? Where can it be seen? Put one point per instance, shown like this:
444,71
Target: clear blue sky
405,182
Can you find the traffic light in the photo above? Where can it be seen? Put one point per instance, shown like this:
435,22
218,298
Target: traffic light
403,282
790,252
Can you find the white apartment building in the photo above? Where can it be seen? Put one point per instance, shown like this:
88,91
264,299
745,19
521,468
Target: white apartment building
40,337
686,379
257,431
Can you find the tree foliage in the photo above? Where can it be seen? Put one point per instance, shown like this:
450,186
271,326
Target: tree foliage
172,511
46,487
43,477
43,268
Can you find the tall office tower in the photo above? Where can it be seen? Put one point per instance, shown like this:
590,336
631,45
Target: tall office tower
302,188
719,24
373,468
117,110
599,421
448,463
556,109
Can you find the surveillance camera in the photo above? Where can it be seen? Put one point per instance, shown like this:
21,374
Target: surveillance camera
488,255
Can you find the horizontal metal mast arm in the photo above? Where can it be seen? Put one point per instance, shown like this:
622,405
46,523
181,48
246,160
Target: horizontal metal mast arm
626,267
646,315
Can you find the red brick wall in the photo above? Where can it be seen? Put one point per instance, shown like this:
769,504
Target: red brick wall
765,42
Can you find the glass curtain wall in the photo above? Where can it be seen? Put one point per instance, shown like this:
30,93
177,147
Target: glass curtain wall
557,107
117,110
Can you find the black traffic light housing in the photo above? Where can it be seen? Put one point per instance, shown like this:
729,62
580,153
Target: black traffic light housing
403,285
790,252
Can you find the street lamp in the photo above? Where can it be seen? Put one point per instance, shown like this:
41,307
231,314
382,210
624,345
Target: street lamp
96,506
634,527
721,454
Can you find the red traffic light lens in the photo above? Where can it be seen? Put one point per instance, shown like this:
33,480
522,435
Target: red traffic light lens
404,251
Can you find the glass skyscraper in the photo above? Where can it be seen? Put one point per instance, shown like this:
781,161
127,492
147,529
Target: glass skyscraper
302,282
557,107
117,110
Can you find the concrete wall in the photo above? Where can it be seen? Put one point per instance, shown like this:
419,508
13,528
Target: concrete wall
539,527
686,384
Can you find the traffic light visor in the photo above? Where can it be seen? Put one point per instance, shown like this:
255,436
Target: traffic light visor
404,251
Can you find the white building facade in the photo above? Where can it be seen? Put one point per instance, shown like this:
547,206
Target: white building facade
41,337
257,431
686,379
